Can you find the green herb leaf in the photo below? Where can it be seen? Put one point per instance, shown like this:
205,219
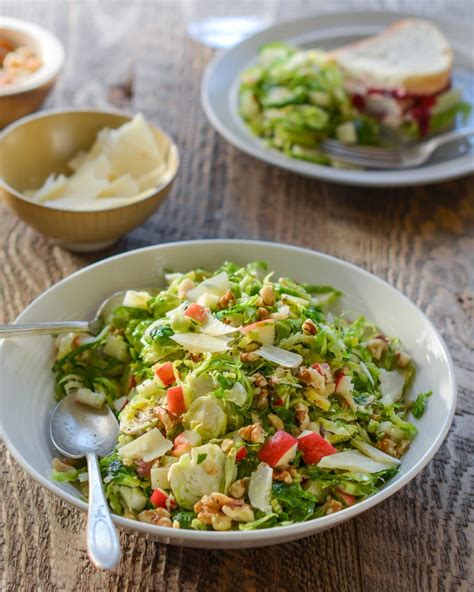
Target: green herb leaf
419,406
296,503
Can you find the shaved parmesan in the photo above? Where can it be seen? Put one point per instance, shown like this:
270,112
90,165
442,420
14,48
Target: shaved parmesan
151,179
280,356
146,447
88,397
374,453
260,488
237,394
208,300
215,327
53,188
217,285
261,331
123,186
123,165
136,299
133,138
350,460
200,343
159,477
391,386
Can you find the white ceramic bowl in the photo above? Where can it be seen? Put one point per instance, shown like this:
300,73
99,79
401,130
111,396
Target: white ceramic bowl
27,381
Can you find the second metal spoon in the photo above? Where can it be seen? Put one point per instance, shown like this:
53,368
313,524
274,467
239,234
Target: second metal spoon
93,327
77,431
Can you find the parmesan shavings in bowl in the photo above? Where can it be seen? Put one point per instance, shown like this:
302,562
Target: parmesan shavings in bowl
123,165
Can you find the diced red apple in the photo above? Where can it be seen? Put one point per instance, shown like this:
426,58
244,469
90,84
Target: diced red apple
184,442
166,374
279,450
264,331
347,498
322,369
314,447
344,384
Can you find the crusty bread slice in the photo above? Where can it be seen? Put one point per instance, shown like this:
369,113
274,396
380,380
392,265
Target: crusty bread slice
410,55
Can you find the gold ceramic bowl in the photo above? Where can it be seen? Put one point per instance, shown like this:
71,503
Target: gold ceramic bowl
24,97
38,145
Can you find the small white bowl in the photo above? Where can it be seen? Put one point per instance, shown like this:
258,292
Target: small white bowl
27,382
25,96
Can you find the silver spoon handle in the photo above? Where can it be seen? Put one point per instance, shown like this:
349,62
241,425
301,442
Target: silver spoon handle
31,329
103,544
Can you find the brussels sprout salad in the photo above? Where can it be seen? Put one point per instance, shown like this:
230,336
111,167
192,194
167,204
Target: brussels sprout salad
294,99
243,401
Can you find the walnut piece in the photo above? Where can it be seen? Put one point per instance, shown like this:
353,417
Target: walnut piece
309,327
218,510
239,488
259,380
158,516
331,506
249,357
184,288
267,294
377,346
282,475
302,416
253,433
226,299
402,358
276,422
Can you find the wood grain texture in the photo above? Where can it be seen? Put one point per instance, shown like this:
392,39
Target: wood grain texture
135,55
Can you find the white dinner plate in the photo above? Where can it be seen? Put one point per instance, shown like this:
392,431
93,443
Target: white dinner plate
328,31
27,382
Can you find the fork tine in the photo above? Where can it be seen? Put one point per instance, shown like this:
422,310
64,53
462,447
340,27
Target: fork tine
361,158
372,152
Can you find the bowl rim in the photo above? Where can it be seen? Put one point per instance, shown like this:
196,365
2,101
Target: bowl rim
71,110
48,70
280,533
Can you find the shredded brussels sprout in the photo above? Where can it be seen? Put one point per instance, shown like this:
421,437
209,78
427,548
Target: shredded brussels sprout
294,99
300,415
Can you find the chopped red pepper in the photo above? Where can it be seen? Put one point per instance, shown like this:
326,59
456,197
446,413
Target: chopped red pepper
241,454
166,374
347,498
175,400
279,402
196,312
159,498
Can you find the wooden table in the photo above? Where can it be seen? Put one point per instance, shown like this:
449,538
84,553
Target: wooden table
136,55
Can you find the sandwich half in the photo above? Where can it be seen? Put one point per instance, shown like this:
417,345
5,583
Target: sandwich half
402,77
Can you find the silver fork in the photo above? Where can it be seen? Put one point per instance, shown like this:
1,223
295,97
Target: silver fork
392,158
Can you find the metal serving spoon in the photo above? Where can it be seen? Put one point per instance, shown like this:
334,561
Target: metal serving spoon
93,327
77,431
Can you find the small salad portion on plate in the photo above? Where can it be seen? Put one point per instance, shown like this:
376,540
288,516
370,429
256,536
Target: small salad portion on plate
389,89
246,401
